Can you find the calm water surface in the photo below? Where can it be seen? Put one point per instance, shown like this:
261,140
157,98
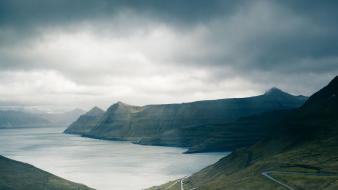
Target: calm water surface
104,165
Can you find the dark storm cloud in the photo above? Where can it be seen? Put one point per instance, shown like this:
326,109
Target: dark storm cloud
253,44
39,12
22,20
283,36
315,35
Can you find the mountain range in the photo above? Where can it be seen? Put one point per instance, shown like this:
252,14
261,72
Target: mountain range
211,125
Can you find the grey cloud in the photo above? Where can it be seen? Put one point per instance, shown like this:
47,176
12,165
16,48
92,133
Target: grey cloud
291,44
22,20
277,37
16,12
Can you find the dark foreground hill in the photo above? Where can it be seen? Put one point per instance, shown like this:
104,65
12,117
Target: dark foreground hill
301,153
20,176
202,126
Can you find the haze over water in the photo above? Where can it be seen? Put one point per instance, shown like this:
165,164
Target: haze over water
104,165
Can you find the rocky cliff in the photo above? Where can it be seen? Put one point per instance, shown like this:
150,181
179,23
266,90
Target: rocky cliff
186,124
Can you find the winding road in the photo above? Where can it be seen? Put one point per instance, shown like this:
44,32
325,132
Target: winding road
182,187
171,185
268,176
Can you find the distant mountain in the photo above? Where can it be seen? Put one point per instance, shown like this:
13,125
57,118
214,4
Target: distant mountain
301,153
16,175
64,118
17,119
186,124
86,122
10,119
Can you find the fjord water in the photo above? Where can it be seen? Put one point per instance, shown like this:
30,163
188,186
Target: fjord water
104,165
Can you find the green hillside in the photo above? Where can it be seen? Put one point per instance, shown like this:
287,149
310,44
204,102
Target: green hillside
16,175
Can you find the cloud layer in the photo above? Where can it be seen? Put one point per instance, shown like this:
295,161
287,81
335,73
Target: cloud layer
63,54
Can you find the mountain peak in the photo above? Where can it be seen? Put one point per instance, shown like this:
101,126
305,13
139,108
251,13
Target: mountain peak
334,81
275,91
121,103
95,111
123,107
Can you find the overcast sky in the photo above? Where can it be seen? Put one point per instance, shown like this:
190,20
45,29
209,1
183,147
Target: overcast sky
80,53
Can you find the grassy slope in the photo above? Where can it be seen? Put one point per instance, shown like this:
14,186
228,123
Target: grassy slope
307,141
241,133
243,168
224,137
309,182
16,175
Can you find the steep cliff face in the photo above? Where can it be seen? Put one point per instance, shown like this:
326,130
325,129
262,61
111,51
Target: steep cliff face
324,103
183,124
319,114
85,122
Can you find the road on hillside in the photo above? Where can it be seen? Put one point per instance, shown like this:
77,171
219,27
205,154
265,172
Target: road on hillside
182,188
267,175
171,185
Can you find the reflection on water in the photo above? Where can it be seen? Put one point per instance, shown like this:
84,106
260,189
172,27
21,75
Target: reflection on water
104,165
